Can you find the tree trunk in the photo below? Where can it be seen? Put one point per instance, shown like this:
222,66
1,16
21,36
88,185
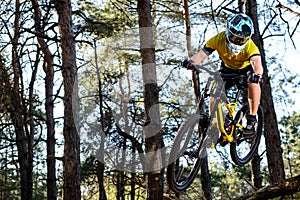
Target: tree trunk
271,132
287,187
100,165
51,163
205,176
133,176
255,170
71,159
49,105
17,112
100,177
255,162
152,133
121,176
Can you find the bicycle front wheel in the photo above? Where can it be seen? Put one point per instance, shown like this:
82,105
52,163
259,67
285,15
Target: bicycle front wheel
243,149
187,153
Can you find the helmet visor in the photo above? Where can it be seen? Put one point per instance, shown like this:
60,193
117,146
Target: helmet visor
236,39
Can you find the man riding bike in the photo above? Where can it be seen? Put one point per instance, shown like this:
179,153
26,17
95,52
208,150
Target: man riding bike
239,55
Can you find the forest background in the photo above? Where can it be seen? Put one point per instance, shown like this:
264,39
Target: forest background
83,81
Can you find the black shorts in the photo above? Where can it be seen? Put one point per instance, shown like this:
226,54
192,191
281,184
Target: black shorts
225,70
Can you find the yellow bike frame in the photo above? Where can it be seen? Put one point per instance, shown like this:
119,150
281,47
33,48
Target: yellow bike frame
227,137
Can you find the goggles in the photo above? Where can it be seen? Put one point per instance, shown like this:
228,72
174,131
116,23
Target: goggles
233,38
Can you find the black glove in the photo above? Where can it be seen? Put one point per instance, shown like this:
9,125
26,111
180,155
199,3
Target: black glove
188,64
255,78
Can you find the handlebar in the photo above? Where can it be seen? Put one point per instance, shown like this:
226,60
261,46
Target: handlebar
233,76
218,74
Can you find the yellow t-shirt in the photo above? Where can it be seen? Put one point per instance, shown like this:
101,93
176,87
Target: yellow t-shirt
240,61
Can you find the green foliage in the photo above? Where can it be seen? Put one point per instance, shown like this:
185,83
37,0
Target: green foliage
290,134
90,187
89,170
9,171
229,181
9,184
104,20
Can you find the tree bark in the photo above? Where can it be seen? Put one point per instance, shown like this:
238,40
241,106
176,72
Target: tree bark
271,132
71,159
205,176
17,112
255,162
49,105
255,170
153,137
282,189
100,164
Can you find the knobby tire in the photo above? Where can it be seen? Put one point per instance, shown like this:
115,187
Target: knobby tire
180,147
252,143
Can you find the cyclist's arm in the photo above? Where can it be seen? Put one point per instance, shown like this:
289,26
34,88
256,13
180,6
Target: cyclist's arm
201,55
256,64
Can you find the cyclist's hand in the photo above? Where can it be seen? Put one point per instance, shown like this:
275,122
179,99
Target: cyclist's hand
188,64
255,78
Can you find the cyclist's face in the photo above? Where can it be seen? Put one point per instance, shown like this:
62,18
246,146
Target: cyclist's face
234,49
237,40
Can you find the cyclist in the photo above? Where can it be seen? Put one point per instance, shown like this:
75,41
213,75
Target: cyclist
238,54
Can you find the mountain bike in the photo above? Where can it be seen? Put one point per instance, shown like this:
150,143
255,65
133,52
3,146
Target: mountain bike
220,121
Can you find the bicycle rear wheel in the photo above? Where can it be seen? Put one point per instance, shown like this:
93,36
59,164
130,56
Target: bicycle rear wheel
187,153
243,149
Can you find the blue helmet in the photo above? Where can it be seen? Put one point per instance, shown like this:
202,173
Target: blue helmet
239,30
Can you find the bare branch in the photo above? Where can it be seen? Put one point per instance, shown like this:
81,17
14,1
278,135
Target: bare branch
295,28
55,157
286,22
273,35
288,9
269,23
249,183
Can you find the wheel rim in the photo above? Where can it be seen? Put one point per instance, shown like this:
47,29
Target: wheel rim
242,149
